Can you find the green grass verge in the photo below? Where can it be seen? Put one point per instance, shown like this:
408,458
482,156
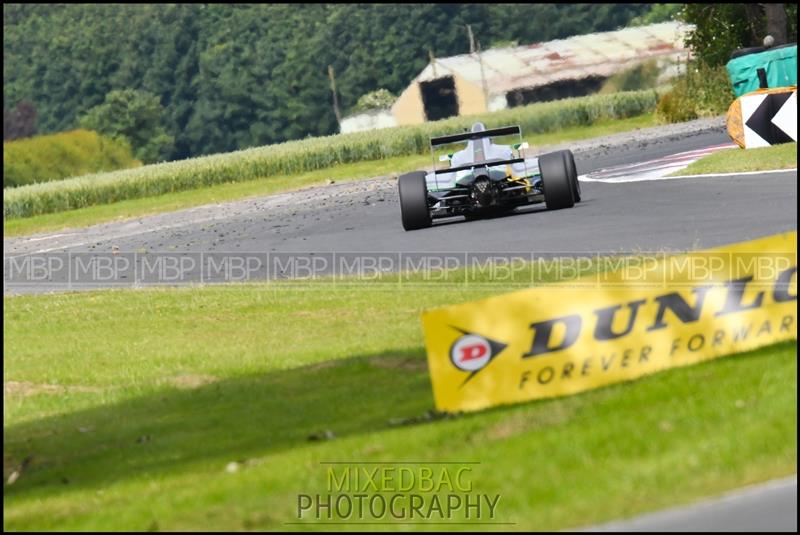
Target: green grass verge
130,405
91,215
735,160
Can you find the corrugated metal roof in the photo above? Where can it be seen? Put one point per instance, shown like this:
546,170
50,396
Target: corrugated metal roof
597,54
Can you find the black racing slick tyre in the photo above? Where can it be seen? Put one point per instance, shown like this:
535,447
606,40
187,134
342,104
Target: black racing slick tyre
573,174
556,180
414,201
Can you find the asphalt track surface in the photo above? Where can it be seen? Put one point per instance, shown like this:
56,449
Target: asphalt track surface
363,218
768,507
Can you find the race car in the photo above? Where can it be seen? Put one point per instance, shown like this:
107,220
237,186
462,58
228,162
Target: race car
485,179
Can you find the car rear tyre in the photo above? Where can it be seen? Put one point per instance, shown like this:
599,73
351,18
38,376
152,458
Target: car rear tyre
557,181
414,201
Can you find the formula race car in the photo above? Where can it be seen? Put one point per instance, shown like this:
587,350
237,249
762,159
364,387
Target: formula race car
485,179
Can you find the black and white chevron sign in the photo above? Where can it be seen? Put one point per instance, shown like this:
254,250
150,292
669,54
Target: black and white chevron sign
769,118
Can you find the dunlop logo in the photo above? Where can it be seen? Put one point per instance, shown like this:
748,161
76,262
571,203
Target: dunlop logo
565,338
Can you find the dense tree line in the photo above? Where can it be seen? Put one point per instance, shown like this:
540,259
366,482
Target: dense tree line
234,76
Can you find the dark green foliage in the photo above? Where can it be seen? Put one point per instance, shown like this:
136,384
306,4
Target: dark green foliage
236,76
705,89
20,121
722,28
136,117
658,13
702,91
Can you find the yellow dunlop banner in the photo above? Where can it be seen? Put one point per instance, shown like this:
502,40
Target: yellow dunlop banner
645,314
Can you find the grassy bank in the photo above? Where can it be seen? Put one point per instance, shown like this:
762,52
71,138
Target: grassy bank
83,217
743,160
213,408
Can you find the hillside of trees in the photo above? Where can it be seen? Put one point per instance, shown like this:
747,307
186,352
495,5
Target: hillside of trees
235,76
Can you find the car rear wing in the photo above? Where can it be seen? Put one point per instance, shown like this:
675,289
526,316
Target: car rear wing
455,138
490,163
